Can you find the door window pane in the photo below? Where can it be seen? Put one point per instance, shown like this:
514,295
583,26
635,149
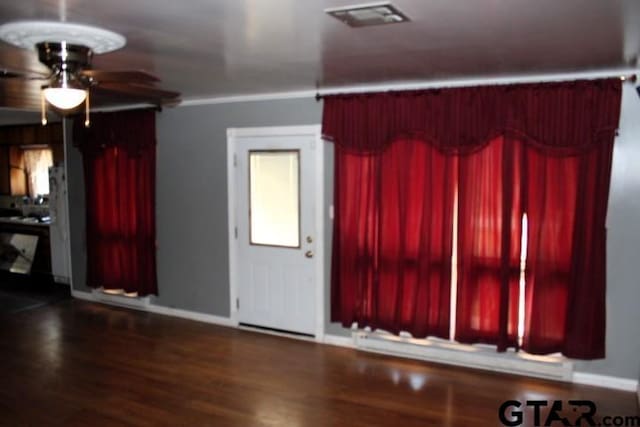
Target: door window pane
274,198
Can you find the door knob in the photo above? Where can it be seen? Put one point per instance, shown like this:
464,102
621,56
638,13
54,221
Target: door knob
309,254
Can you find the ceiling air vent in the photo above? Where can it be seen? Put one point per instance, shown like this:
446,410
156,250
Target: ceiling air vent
364,15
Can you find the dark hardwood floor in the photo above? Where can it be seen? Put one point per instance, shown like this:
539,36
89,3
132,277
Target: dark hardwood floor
76,363
20,292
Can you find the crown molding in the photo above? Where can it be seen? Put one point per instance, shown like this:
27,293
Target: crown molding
413,85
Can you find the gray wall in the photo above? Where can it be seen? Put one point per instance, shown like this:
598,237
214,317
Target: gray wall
16,117
20,117
75,184
192,215
623,249
193,258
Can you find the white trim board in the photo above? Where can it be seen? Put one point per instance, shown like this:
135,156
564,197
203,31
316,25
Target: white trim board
231,238
271,96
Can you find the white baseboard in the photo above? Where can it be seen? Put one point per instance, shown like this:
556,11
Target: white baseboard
192,315
339,341
87,296
607,381
144,304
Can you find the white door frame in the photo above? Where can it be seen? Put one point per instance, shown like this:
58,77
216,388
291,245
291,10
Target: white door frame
319,260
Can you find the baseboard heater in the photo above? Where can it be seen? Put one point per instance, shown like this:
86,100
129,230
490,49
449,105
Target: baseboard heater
548,367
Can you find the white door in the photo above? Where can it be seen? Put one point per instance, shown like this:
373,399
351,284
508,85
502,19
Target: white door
274,228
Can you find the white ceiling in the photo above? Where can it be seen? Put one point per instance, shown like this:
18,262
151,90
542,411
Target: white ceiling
214,48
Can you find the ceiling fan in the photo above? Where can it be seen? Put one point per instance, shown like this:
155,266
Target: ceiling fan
67,49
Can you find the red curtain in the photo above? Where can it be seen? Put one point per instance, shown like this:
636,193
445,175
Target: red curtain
489,234
392,239
566,200
542,149
119,154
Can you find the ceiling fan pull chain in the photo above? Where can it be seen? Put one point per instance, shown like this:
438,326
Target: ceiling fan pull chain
87,107
43,108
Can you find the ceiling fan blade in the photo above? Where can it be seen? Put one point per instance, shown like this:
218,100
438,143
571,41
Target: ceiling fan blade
18,93
8,74
133,76
12,73
140,91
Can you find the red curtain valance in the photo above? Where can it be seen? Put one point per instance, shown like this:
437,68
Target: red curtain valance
569,115
131,130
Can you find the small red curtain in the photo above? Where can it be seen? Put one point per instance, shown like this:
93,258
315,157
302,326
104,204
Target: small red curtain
392,239
540,149
119,154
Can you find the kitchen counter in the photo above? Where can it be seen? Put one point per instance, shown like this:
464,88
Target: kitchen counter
23,221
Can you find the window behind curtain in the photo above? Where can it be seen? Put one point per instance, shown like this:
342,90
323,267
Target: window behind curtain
37,162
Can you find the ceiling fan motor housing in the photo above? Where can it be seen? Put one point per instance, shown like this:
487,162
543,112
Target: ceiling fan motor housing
63,56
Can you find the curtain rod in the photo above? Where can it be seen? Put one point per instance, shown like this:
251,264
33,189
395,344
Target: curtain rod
626,75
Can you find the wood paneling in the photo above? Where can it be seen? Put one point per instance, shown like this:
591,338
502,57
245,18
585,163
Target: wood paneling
5,180
80,364
31,134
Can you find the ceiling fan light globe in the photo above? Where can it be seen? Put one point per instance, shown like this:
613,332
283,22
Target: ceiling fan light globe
65,98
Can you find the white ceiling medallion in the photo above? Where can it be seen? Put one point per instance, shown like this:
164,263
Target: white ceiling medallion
26,34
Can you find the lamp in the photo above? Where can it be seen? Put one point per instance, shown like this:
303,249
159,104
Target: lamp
65,92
